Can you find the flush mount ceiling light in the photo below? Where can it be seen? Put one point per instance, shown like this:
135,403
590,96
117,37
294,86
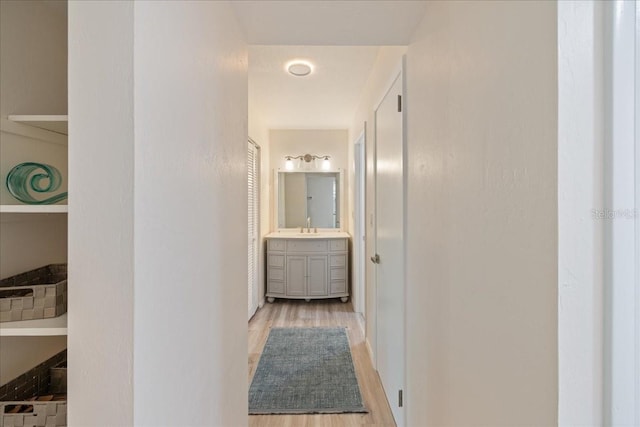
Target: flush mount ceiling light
299,68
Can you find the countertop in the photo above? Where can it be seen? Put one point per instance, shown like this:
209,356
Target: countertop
297,235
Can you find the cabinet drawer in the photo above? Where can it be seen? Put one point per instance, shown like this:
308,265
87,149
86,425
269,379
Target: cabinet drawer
276,261
338,287
306,246
276,244
338,274
338,260
275,287
276,274
338,245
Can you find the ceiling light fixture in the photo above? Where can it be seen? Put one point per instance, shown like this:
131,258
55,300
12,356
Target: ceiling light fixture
299,68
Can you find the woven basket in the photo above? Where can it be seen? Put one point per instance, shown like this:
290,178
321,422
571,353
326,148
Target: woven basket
37,381
45,414
58,382
36,294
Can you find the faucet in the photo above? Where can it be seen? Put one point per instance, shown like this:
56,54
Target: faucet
308,224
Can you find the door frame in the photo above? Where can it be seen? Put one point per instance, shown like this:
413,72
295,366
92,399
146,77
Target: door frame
359,229
621,215
258,276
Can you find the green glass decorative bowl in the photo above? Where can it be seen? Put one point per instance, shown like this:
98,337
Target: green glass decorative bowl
29,177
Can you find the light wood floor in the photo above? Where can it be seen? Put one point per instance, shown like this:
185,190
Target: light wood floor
295,313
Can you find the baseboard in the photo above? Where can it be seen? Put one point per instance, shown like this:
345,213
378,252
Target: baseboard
370,351
361,323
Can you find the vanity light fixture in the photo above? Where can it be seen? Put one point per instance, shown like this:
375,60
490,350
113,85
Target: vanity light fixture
299,68
326,164
308,158
288,165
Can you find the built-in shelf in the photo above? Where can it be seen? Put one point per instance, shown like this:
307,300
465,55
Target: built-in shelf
35,328
52,123
34,209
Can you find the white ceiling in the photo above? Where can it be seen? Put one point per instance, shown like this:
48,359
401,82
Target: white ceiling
340,37
329,22
326,99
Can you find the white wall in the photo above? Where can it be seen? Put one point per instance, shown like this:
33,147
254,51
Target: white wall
295,142
101,213
482,215
386,68
580,192
170,333
191,253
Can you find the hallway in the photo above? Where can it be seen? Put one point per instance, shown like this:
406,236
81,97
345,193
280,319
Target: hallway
320,313
509,172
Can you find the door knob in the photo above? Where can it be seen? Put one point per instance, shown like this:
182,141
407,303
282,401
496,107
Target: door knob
375,259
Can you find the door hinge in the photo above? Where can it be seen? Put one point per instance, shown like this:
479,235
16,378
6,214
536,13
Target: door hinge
399,103
400,398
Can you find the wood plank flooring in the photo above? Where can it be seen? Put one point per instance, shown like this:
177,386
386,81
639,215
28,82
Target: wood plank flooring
293,313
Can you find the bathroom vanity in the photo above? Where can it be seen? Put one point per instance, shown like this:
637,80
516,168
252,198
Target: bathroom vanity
307,265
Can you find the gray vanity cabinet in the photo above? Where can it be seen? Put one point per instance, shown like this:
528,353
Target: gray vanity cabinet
307,268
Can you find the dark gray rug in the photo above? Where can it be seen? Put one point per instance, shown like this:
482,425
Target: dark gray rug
305,371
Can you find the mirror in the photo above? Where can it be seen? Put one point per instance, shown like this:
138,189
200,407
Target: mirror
314,195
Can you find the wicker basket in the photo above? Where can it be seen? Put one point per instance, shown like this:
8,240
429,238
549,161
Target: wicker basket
45,414
36,381
58,382
36,294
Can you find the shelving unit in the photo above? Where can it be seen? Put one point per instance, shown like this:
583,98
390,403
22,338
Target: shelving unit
33,328
34,127
48,128
34,209
52,123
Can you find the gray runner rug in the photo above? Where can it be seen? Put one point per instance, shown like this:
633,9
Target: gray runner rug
305,371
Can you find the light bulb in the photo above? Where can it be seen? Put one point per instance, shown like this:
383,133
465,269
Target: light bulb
326,164
288,164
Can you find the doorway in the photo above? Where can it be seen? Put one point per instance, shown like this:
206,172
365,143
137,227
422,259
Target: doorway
291,134
253,229
359,249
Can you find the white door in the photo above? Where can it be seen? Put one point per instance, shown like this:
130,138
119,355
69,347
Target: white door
253,207
390,247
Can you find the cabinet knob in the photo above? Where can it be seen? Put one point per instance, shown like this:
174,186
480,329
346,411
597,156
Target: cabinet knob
375,259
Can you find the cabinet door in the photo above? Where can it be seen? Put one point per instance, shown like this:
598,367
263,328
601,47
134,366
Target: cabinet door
296,275
275,274
275,287
317,275
338,287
